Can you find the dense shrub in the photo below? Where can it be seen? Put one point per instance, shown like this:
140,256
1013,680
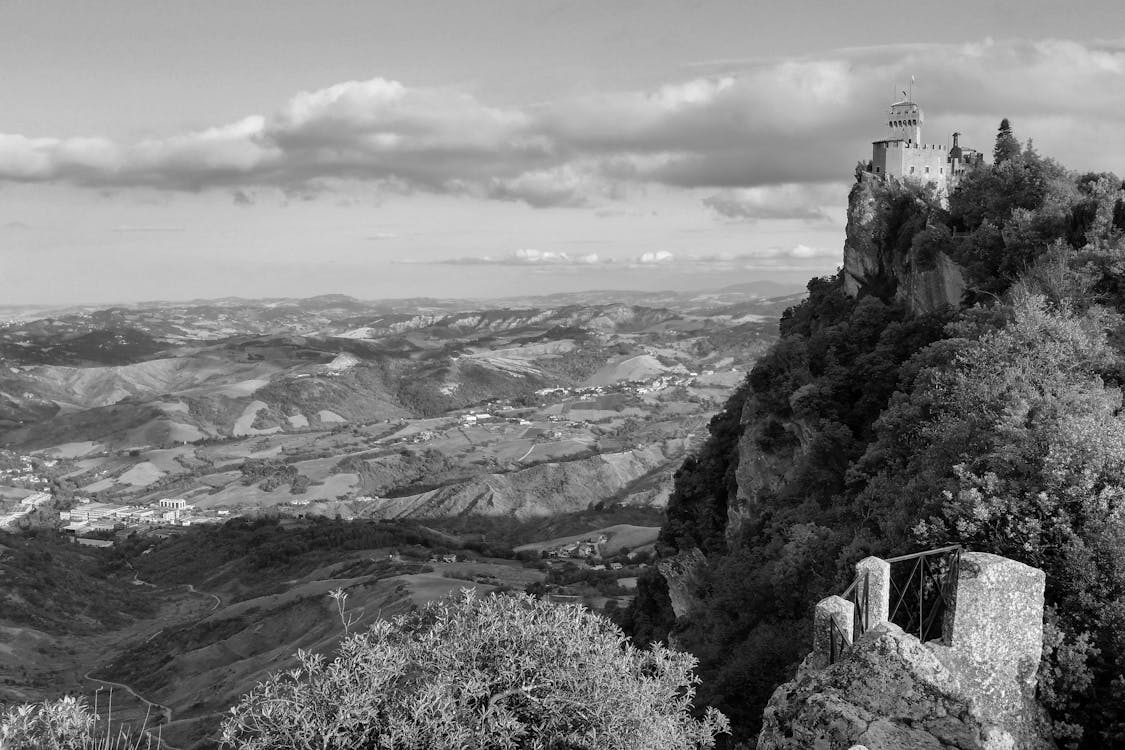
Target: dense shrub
469,672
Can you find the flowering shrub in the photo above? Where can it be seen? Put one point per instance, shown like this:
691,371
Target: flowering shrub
473,672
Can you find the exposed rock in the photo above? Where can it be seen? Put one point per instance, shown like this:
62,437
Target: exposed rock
874,264
928,289
684,575
761,472
891,693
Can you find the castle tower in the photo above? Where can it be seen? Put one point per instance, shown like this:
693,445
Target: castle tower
903,155
905,121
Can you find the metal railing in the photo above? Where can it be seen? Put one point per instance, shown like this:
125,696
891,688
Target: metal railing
920,595
920,598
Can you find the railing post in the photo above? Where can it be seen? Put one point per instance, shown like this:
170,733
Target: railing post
833,610
875,602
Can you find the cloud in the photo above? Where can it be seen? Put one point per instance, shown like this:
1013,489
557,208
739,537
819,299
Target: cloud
243,197
789,201
765,257
521,257
129,229
754,131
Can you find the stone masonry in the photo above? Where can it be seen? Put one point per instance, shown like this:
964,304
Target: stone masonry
973,689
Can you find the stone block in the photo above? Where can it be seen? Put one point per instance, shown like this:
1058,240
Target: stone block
997,612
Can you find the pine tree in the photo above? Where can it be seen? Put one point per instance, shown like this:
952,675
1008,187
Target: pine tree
1006,144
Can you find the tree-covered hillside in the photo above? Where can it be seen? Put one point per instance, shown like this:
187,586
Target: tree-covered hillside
873,429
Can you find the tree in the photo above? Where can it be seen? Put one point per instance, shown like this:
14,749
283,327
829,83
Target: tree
473,672
1011,443
1006,144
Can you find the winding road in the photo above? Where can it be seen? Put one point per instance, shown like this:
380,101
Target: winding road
157,708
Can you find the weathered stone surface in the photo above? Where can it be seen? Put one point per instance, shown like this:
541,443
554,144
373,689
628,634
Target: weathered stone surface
762,472
870,263
874,594
890,693
995,640
832,627
684,575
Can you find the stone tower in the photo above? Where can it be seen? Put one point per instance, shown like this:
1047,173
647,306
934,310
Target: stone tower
905,121
904,156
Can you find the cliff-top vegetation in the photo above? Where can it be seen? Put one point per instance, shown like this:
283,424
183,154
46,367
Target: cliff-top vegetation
874,429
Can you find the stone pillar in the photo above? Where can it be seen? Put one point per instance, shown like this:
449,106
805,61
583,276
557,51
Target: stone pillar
832,609
997,610
874,578
994,638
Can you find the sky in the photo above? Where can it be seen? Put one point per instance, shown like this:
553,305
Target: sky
178,149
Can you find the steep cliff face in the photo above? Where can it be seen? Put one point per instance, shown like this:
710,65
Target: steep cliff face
764,464
890,253
883,256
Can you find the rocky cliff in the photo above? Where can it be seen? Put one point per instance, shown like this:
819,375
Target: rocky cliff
888,251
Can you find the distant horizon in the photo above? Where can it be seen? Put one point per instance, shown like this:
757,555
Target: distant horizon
790,286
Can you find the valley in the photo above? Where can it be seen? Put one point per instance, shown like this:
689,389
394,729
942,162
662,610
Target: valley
228,465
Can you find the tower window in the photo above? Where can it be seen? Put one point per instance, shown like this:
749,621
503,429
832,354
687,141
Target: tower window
912,170
927,170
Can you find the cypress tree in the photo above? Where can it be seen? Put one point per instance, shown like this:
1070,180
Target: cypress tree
1006,144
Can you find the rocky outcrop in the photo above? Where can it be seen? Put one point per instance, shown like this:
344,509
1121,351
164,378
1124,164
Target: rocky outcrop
684,576
891,693
872,261
764,464
973,689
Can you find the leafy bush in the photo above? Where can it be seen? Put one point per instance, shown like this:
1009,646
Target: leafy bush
63,724
470,672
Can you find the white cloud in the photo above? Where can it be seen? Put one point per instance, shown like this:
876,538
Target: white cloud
811,202
766,257
758,132
658,257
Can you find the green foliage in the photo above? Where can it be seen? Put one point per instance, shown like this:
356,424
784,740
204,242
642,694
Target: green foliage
52,584
876,431
1010,442
260,549
1006,146
697,508
469,672
63,724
